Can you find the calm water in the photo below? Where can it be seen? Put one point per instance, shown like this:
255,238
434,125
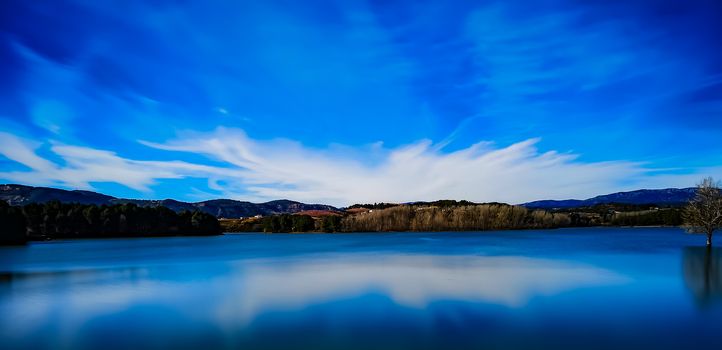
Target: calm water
597,288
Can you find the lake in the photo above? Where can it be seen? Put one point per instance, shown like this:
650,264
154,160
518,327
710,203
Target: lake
595,288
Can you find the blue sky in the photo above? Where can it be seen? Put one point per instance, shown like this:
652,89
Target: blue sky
358,101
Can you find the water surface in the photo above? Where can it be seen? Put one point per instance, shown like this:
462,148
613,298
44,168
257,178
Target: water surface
594,288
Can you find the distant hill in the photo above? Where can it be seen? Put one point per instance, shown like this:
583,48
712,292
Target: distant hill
232,209
222,208
664,197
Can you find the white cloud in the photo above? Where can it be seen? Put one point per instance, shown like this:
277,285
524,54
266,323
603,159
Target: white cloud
22,151
81,166
341,175
481,172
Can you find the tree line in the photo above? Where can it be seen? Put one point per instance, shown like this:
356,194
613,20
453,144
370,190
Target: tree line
284,223
71,220
456,216
624,214
373,206
437,203
453,218
661,217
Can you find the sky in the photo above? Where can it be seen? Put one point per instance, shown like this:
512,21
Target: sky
356,101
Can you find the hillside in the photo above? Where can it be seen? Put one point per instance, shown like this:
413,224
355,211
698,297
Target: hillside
222,208
233,209
671,197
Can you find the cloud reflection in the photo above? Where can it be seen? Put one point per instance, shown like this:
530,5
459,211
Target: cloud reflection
231,296
412,280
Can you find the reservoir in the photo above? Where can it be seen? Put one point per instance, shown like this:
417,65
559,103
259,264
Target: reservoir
591,288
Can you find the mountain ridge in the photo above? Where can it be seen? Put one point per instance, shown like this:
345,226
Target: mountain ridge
660,197
15,194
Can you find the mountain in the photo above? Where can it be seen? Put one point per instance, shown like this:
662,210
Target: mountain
21,195
663,197
227,208
222,208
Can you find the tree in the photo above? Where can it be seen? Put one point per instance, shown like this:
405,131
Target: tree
12,225
72,220
703,214
204,223
331,223
302,223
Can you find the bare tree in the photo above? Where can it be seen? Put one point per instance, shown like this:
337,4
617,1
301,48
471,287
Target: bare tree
703,214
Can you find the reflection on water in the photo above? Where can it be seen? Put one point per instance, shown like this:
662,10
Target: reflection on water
410,281
591,289
235,294
703,273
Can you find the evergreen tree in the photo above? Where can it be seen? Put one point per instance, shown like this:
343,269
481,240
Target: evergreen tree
12,225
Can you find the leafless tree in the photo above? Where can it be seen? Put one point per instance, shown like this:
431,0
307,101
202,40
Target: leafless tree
461,218
703,214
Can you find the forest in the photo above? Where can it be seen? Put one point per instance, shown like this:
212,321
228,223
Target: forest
284,223
407,217
450,215
57,220
453,218
624,215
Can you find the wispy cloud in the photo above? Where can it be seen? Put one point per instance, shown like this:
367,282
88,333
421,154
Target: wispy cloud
82,166
419,171
262,170
610,80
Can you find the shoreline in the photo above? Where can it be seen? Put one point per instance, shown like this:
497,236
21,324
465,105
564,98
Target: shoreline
495,230
48,239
